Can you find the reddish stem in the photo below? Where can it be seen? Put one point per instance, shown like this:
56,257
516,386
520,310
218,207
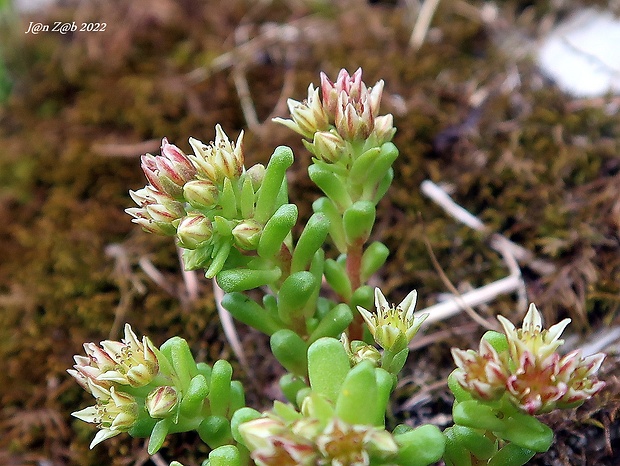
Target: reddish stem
354,265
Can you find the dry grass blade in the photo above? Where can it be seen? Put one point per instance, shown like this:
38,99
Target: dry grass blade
444,278
420,28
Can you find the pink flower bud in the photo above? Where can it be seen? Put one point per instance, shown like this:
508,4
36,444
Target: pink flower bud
161,402
194,230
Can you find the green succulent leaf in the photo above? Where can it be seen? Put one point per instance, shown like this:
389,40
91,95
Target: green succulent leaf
328,365
311,239
271,185
357,395
251,313
421,446
276,230
219,395
290,350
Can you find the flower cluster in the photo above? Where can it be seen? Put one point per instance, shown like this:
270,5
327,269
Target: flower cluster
149,392
206,199
108,372
346,112
530,372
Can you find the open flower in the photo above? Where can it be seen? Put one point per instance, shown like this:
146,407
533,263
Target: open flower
308,116
353,445
273,443
220,159
115,412
389,322
531,336
136,361
482,373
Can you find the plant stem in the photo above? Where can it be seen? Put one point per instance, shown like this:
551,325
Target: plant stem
354,264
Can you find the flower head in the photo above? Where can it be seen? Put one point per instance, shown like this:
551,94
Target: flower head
540,386
389,322
534,377
351,105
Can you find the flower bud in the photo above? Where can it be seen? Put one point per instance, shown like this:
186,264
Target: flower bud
384,129
256,174
194,230
351,85
247,234
359,351
327,146
354,119
168,172
162,401
201,194
183,168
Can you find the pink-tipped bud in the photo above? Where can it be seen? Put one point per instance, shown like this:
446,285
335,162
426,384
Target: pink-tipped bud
384,129
354,119
168,172
194,230
162,402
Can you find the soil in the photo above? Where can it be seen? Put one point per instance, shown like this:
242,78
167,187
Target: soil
472,111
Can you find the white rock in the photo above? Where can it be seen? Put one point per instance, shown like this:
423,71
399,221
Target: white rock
582,54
